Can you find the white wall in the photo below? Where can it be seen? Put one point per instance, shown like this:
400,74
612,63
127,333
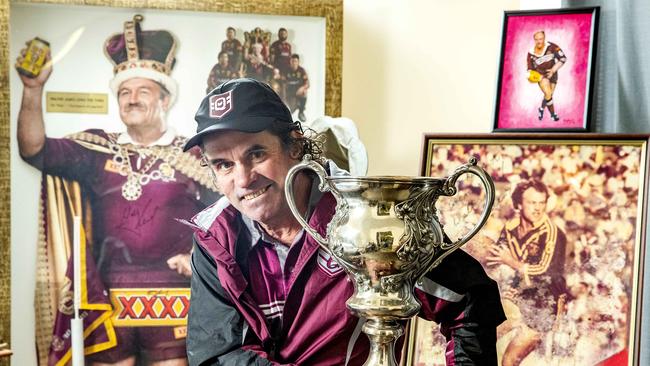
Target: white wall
417,66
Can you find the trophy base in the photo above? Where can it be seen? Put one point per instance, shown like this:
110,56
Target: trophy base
382,334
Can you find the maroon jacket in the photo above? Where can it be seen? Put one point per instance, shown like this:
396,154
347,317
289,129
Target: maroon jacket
227,327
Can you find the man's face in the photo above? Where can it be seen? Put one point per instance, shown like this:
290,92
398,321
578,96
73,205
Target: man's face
533,205
257,49
140,103
540,39
294,63
230,34
250,169
223,59
283,35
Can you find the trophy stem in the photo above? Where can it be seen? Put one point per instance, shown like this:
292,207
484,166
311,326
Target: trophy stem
382,334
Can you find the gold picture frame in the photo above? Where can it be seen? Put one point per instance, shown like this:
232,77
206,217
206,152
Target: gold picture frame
596,198
330,10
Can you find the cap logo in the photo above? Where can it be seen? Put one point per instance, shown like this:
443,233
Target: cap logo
220,104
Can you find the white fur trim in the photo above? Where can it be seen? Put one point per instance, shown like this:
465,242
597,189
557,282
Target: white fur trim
139,72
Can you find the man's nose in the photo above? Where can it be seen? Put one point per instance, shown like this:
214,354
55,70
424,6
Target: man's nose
245,175
133,98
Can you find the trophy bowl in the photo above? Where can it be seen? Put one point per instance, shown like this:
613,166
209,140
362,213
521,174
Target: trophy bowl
386,234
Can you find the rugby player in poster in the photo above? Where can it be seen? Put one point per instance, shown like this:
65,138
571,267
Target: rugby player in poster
543,61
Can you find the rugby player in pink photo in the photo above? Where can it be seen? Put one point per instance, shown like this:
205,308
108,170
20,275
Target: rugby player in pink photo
544,60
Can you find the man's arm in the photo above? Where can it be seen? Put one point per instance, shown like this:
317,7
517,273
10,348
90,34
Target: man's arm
530,65
305,84
212,78
31,128
460,296
560,60
554,69
215,328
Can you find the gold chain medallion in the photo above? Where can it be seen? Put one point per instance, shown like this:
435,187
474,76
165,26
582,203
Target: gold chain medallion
131,189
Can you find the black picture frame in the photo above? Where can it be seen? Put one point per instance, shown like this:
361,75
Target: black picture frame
570,34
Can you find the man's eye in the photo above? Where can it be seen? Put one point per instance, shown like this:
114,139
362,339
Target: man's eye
222,166
258,155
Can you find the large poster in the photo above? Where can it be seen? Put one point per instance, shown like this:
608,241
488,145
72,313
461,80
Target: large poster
131,193
563,242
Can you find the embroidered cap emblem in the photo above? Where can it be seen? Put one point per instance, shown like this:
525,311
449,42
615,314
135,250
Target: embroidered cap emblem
328,264
220,104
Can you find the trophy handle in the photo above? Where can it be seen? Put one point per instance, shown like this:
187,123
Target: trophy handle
449,189
307,163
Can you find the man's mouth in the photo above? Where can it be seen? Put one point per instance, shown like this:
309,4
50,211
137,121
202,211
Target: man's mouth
134,107
256,194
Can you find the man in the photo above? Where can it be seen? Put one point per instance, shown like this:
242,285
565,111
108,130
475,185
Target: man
138,182
296,86
221,72
534,247
281,52
257,68
262,294
543,62
233,47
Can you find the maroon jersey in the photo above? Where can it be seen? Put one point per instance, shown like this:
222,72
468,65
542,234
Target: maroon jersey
544,62
130,236
296,79
281,55
220,74
259,71
234,50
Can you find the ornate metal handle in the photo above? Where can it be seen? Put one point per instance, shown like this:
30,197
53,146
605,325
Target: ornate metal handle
449,189
307,163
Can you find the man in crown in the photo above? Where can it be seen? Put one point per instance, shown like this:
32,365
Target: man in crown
138,182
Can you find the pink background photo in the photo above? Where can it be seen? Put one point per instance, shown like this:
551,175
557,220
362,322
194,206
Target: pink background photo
519,99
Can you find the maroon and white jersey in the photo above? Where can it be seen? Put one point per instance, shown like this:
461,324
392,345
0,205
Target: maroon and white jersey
281,55
130,236
550,56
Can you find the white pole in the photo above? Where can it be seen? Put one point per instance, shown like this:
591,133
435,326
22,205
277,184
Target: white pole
76,323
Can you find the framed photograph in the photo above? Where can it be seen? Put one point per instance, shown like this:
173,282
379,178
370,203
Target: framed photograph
267,39
546,70
564,241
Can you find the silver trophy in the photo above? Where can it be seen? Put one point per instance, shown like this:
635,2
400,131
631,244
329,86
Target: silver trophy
386,235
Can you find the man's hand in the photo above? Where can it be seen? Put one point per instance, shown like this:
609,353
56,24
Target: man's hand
554,69
181,264
501,255
41,78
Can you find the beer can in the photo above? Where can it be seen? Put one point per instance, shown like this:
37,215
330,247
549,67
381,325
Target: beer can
34,58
